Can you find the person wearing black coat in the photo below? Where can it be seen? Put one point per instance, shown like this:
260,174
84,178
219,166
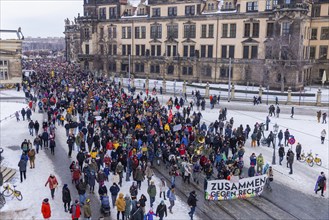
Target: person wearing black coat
191,201
81,157
36,127
66,197
70,142
137,212
280,137
161,210
114,189
281,153
142,201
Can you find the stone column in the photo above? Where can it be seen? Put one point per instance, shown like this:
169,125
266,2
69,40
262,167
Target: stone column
184,87
289,96
147,83
232,92
318,97
164,85
260,92
207,90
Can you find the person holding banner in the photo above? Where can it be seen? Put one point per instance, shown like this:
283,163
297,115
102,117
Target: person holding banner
269,174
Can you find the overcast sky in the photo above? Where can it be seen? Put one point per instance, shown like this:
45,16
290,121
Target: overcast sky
38,18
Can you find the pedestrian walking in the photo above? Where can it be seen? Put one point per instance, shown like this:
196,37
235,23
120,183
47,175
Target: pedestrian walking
281,154
191,201
320,184
31,127
323,135
172,197
52,181
291,161
17,116
36,127
37,142
52,145
66,197
286,137
318,115
31,155
292,112
87,210
75,210
82,187
23,113
298,150
324,118
163,187
22,168
128,206
151,190
120,203
45,209
269,179
137,212
114,189
161,210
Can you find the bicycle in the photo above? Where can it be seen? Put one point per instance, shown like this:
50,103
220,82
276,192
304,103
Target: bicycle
309,159
317,160
9,191
302,157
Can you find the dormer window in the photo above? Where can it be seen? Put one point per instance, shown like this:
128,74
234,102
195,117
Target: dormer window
141,11
211,6
128,12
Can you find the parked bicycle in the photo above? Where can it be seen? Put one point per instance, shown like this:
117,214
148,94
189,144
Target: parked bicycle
9,191
317,160
310,160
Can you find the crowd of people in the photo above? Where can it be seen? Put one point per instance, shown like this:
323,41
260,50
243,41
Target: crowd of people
117,132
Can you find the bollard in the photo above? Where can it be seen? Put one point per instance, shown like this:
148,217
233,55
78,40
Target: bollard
207,90
147,83
164,84
289,96
132,82
260,91
318,97
232,91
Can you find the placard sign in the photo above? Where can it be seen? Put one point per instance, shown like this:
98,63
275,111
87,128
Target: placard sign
177,127
227,190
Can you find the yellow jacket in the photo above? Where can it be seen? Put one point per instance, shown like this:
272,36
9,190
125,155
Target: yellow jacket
120,203
166,127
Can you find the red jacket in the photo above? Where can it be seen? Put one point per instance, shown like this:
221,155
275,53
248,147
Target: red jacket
77,213
45,210
52,182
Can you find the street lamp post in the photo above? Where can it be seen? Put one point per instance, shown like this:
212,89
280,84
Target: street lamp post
267,95
275,132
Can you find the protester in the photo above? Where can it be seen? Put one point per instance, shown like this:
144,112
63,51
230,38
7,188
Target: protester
320,184
52,181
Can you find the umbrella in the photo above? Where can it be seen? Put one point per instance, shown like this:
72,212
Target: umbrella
324,77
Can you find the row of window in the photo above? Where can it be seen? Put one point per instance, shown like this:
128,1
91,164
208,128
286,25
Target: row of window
323,36
207,31
323,52
185,70
190,10
206,51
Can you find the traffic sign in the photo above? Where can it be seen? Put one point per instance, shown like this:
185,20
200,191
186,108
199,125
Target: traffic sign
291,141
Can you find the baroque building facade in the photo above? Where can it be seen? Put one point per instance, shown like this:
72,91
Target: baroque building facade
275,43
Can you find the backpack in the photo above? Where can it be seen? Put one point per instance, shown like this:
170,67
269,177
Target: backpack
168,193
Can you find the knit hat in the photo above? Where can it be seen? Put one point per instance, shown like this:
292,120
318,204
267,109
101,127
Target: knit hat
46,200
